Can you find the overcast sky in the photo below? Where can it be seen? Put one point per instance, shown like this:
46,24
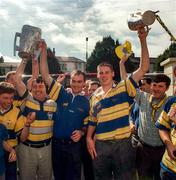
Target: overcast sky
65,24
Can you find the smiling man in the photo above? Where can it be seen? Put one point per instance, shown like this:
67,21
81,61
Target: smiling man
34,152
112,152
150,149
72,110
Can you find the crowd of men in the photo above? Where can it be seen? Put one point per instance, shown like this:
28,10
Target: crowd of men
113,131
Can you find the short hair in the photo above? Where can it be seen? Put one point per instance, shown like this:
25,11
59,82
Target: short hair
94,83
147,79
9,74
162,78
105,64
6,87
39,80
78,72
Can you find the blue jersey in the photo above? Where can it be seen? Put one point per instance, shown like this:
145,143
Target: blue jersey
3,136
72,111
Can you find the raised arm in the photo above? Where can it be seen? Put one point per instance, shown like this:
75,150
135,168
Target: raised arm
20,86
144,61
35,69
35,73
123,73
44,65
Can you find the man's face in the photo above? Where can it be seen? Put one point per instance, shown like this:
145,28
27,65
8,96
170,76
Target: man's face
6,100
77,83
92,89
105,75
145,87
158,90
11,79
38,90
86,87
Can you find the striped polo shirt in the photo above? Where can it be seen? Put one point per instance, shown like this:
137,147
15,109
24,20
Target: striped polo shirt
14,122
164,123
110,112
41,130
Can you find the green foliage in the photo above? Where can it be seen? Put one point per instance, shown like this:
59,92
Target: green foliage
169,52
105,51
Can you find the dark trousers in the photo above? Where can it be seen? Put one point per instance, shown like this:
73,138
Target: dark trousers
115,160
11,168
66,159
87,161
166,175
148,160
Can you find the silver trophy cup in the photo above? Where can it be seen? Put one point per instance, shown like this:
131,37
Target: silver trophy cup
28,41
141,19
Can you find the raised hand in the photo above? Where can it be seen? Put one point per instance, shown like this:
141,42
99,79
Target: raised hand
172,114
143,32
61,78
30,118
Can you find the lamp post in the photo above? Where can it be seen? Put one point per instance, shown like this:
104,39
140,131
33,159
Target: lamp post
87,48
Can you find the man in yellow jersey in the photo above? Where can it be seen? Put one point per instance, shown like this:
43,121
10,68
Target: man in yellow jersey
11,117
34,153
167,131
112,153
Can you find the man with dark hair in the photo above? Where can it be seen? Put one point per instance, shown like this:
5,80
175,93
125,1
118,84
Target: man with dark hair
145,84
11,117
10,78
150,148
34,151
93,86
167,130
73,109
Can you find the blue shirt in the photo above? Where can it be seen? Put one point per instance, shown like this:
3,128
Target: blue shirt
72,111
3,136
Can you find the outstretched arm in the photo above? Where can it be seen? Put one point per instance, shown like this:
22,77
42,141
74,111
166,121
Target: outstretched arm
144,61
20,86
35,74
43,64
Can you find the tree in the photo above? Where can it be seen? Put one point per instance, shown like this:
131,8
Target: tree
1,59
105,51
2,70
169,52
53,64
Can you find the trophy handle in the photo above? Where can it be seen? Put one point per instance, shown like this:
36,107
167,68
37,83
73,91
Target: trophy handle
16,48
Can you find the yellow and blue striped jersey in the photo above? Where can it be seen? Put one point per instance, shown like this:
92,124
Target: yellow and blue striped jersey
164,123
42,128
14,122
20,101
110,112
